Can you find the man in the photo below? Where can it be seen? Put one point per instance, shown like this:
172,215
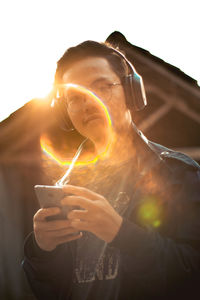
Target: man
136,235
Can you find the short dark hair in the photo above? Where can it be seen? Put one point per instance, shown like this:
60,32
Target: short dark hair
88,49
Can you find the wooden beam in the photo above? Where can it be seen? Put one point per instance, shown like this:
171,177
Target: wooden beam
181,106
155,117
167,73
176,102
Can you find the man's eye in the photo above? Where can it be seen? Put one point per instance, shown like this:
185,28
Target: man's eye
75,99
103,88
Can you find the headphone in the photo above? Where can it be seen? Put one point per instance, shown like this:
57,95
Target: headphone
133,88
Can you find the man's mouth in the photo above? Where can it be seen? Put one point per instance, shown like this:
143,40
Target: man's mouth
92,117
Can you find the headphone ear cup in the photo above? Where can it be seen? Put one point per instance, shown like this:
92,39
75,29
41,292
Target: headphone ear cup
60,111
133,86
134,91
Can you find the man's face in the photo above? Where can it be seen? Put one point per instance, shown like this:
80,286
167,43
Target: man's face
88,117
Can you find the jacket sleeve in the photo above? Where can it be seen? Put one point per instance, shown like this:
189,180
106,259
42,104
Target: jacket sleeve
163,261
48,273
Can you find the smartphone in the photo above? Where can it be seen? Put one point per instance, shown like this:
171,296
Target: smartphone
51,196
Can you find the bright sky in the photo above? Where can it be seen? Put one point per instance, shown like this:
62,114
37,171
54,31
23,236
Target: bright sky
35,33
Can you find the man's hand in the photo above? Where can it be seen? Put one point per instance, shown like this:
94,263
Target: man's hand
97,216
49,234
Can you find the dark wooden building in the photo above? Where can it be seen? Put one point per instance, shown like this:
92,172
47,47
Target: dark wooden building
172,118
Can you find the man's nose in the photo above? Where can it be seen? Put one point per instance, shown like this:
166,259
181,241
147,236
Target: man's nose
89,104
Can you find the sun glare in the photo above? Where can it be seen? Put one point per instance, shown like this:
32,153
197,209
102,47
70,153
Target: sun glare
48,148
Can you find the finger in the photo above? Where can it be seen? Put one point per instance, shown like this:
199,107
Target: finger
54,225
63,232
77,201
68,238
78,214
81,191
42,213
81,225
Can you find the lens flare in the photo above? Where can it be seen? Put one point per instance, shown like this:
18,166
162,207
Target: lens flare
47,146
150,211
49,151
